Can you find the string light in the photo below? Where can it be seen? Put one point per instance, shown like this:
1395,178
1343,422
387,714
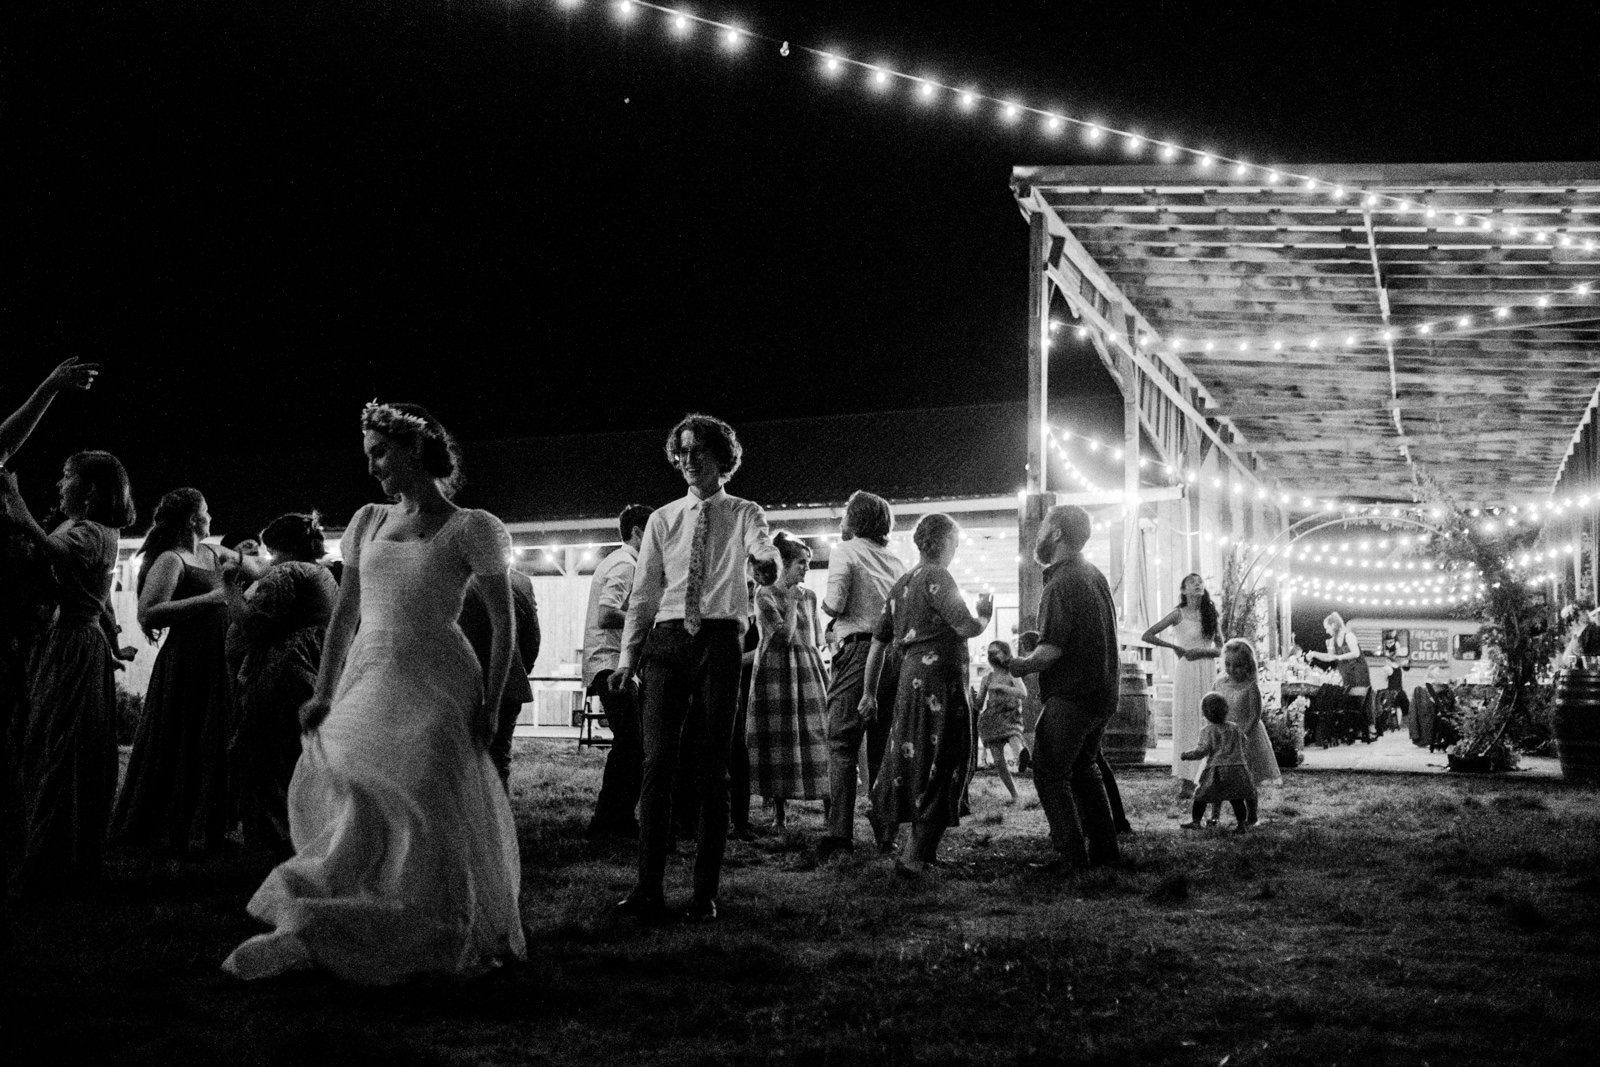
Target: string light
682,22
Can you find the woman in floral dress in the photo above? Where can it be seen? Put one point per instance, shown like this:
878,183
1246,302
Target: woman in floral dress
925,763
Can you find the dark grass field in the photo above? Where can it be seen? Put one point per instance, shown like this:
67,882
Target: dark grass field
1371,919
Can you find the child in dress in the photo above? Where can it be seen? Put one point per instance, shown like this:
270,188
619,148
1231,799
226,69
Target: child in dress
1239,688
1000,696
1225,776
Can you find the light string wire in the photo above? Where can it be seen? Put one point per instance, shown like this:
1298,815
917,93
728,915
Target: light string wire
1494,516
928,90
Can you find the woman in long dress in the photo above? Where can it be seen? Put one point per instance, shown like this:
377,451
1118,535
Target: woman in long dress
926,760
280,626
1192,634
405,853
176,798
67,759
785,724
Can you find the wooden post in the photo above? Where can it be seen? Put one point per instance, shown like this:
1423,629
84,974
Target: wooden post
1038,499
1038,358
1132,571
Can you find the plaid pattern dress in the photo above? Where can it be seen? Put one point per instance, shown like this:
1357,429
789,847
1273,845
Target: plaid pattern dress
786,725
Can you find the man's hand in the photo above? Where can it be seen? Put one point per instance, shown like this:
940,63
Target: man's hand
868,708
617,681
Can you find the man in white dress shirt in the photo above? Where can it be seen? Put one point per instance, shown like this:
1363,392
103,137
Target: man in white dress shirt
609,591
686,621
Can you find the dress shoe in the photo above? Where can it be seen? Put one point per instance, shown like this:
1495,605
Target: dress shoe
701,910
646,907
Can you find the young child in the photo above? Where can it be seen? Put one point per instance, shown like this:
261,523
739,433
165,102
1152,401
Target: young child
1239,688
1225,776
1000,696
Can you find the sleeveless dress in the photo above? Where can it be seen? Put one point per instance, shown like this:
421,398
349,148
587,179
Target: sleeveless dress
786,720
176,796
405,853
1191,680
67,758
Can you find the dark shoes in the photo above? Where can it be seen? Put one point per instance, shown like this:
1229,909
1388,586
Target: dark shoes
701,910
648,908
600,831
828,847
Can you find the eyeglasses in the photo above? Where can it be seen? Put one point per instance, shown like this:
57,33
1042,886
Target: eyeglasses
685,453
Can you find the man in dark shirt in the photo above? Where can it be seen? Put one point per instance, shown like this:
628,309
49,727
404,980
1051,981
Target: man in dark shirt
1077,663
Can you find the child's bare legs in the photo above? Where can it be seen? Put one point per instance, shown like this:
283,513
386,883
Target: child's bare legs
997,751
778,817
1240,814
1216,812
1252,808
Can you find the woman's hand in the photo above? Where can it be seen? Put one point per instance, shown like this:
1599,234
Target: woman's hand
868,708
70,374
312,712
985,605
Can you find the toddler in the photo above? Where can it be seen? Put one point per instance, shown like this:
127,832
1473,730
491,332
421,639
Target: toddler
1238,686
1000,696
1225,776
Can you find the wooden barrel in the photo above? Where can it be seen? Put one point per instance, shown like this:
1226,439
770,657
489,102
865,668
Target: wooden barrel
1124,741
1577,725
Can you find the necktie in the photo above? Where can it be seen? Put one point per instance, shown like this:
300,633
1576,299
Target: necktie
697,569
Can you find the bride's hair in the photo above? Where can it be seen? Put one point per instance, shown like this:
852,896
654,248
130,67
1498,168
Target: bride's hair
441,453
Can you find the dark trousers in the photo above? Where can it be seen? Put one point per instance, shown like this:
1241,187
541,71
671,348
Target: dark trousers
1067,779
619,785
739,758
845,731
687,676
500,744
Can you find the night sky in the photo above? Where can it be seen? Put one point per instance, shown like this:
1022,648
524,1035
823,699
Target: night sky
261,214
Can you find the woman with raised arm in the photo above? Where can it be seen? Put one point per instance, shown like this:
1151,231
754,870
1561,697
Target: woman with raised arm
1193,635
405,854
67,756
1345,656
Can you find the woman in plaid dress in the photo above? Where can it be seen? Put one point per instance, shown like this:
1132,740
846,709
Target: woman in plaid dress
787,718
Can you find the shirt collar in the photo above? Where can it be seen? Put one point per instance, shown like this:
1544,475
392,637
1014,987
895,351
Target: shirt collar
695,501
1060,565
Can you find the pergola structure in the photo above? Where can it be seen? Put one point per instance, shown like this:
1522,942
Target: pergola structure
1389,332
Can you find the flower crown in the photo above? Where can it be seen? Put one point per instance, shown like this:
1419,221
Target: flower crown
387,419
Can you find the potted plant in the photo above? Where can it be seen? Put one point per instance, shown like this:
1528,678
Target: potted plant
1286,728
1520,627
1482,747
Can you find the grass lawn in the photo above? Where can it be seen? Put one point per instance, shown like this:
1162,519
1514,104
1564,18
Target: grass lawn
1371,919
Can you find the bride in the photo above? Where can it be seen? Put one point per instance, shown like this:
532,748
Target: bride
405,853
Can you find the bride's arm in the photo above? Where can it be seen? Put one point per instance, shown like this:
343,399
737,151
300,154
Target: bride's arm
335,647
496,592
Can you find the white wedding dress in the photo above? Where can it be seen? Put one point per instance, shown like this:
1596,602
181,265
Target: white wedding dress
405,853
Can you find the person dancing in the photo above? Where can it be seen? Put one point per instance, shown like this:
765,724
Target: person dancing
1197,641
405,853
860,571
67,763
176,796
280,627
686,620
925,764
